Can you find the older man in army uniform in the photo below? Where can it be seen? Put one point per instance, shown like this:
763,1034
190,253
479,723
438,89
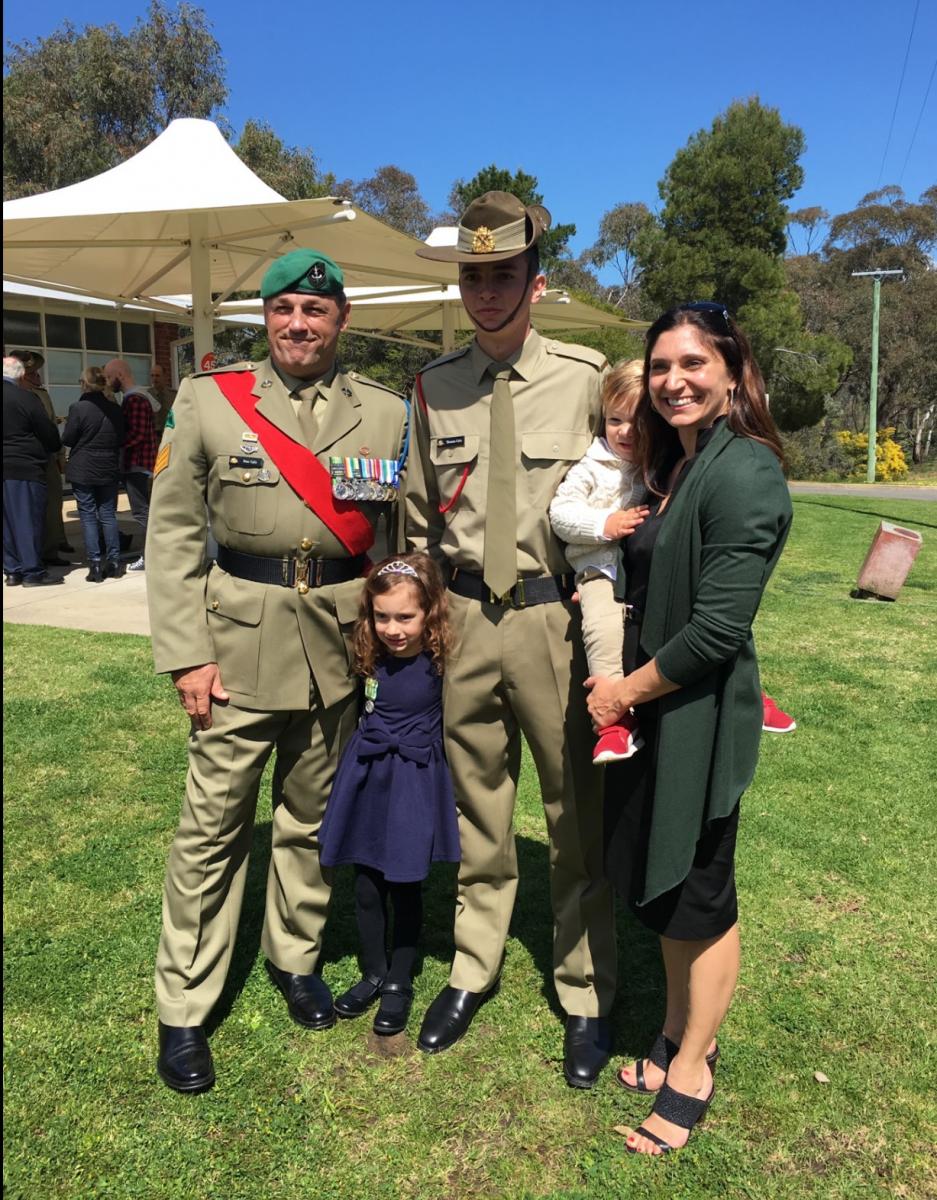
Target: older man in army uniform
497,425
289,463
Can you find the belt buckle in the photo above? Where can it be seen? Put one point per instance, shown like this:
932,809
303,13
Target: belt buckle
302,575
504,600
520,595
320,567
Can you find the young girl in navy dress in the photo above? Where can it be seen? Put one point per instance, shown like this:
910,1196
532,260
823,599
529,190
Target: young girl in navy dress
392,811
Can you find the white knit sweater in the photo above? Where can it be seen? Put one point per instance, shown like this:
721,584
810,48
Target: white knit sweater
598,485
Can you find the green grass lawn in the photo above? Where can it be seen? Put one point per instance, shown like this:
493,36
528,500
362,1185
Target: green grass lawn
836,869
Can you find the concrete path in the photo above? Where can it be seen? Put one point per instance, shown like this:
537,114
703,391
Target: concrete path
884,491
114,606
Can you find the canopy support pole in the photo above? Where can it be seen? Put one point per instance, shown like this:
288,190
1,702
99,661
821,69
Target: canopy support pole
200,262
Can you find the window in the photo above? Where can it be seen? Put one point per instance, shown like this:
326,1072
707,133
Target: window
101,335
63,331
135,338
21,328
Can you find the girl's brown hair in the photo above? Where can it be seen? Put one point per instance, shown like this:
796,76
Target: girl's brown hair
657,443
425,577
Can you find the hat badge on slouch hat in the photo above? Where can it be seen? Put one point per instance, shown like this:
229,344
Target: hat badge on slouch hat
495,226
309,272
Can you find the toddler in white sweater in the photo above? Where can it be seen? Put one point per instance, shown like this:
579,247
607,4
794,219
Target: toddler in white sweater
589,514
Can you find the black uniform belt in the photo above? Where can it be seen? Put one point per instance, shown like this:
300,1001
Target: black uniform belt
543,589
290,571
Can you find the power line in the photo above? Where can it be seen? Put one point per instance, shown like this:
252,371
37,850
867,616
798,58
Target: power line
933,72
881,170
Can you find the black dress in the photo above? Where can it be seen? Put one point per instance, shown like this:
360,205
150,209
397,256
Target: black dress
392,806
705,903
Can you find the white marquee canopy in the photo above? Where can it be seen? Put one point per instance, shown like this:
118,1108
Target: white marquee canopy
186,215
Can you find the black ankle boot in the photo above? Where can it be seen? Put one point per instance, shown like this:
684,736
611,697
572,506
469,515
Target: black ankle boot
95,573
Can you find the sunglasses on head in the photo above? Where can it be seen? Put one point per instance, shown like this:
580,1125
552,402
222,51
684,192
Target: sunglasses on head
710,308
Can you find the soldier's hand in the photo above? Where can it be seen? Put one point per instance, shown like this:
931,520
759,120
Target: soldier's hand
625,521
197,688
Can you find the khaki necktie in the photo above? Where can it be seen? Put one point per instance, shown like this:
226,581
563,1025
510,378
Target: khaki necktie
500,561
307,418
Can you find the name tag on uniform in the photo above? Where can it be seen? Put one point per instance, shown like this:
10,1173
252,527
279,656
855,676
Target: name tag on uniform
450,443
364,478
240,460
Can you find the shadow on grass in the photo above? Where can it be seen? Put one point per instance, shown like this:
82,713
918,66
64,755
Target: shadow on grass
638,1009
865,512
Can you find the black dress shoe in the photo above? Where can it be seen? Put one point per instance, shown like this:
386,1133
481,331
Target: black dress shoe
184,1062
586,1049
392,1016
359,998
449,1016
43,581
307,997
14,579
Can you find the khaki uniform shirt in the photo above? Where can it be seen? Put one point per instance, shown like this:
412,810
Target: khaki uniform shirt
556,390
276,648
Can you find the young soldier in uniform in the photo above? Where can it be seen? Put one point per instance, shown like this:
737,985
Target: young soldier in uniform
497,425
289,462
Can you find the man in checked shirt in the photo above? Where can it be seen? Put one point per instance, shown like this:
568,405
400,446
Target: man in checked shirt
141,442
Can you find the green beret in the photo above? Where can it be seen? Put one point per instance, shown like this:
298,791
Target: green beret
307,271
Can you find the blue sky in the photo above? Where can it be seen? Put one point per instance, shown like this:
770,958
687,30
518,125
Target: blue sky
593,98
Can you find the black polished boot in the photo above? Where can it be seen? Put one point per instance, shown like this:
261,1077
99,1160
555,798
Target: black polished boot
184,1062
586,1049
307,997
449,1016
95,573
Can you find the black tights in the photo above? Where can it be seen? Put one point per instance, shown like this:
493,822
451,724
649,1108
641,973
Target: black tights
371,893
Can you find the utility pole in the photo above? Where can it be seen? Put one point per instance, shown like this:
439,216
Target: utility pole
877,277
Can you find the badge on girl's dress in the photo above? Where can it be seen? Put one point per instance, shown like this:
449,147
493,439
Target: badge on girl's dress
357,478
370,694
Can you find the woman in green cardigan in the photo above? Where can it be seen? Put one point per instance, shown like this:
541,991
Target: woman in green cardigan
695,571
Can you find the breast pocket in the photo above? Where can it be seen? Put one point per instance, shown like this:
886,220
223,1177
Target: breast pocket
547,455
453,465
248,497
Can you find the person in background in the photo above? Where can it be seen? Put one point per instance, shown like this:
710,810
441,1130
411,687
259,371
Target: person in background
695,572
160,389
141,443
94,432
54,540
29,437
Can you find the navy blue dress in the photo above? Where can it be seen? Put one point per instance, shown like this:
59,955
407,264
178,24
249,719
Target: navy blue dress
392,806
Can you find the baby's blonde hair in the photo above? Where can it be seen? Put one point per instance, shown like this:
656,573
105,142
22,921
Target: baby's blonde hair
624,382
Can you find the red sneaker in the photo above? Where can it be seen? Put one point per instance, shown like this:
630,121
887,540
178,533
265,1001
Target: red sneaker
617,742
773,720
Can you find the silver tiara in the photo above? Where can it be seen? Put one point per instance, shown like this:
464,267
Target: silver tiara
396,567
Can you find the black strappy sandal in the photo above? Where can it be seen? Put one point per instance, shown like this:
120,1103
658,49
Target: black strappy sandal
685,1111
661,1054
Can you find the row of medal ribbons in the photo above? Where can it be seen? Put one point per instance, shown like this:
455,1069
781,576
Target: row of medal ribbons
364,478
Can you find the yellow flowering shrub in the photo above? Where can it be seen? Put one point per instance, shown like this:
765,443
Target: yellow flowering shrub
890,461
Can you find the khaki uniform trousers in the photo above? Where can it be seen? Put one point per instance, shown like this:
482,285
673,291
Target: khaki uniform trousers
208,861
521,670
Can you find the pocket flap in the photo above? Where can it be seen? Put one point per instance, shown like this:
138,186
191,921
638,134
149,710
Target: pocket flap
444,454
236,599
564,444
347,598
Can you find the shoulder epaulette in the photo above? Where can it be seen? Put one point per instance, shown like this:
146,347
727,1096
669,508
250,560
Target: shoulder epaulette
586,354
444,358
355,377
238,366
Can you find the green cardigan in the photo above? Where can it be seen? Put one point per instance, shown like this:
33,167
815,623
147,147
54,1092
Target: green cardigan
717,547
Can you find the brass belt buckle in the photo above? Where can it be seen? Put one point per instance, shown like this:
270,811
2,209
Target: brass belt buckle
302,575
503,600
520,598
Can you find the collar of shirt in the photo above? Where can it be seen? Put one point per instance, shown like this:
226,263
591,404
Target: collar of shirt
522,361
294,386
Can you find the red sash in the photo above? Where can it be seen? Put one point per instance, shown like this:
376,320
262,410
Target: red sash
298,465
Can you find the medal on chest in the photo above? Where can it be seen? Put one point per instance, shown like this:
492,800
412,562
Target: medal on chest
364,478
370,694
